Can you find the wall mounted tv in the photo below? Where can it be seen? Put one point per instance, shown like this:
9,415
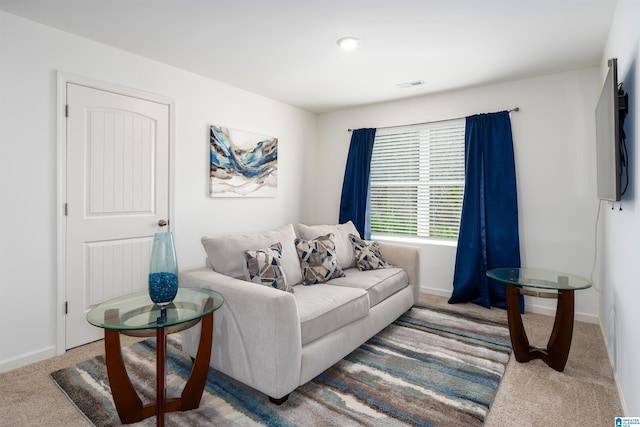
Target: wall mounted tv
610,142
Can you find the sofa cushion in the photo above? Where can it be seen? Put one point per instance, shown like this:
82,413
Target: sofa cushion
263,267
318,261
367,254
379,283
225,253
324,308
344,251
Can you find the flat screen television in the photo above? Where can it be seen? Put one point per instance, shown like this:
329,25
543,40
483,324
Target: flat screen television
611,151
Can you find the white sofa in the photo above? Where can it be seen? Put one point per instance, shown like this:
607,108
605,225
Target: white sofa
275,341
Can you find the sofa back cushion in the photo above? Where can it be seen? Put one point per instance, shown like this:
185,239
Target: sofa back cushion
344,249
226,252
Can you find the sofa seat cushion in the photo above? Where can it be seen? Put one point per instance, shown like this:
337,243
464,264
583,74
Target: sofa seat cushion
324,308
379,283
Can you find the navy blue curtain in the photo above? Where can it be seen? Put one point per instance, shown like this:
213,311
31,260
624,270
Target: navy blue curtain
355,187
488,235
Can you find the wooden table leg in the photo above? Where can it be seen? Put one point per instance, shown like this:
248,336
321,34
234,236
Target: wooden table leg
161,363
562,333
127,402
192,392
519,340
557,351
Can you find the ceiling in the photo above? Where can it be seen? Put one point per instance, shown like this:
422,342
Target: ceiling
286,49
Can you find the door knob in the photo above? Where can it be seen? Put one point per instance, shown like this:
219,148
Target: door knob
163,223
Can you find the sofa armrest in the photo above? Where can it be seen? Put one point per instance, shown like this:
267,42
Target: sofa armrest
256,337
407,257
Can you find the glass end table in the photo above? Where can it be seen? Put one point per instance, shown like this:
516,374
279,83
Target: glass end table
135,314
545,284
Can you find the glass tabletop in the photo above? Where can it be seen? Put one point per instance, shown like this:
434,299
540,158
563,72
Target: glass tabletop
539,278
136,311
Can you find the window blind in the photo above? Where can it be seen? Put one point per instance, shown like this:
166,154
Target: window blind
417,180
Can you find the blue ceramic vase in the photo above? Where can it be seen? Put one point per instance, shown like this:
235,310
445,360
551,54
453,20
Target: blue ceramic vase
163,271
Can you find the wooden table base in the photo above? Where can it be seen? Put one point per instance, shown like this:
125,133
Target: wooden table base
557,351
128,403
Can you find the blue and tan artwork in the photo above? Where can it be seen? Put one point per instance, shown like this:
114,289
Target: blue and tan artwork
242,164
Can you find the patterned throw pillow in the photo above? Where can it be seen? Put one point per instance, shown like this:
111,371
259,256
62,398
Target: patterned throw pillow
367,254
263,267
318,261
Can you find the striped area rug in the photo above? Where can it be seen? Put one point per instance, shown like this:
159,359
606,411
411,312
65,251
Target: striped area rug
432,367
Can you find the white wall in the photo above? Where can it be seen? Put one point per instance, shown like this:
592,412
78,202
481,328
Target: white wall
555,161
621,229
30,56
555,166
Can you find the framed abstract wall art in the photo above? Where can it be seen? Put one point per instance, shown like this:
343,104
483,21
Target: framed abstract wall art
242,164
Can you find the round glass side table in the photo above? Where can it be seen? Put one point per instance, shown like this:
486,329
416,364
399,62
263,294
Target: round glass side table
545,284
135,314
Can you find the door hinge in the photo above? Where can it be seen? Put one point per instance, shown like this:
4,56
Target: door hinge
66,110
66,209
66,307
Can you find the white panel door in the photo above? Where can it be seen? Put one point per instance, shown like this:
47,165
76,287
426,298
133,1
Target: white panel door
117,191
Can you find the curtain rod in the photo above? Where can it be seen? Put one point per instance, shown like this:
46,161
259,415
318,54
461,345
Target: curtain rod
433,121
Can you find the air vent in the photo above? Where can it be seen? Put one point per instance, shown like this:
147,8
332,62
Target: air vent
410,84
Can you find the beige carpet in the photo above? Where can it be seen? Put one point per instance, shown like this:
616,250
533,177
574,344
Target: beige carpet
530,394
534,395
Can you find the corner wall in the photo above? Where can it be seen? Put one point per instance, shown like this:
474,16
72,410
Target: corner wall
621,229
32,54
554,141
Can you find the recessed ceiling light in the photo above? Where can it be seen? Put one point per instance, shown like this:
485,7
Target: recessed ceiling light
348,42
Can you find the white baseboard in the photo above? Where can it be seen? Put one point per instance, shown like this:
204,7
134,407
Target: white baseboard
531,306
625,412
435,291
27,359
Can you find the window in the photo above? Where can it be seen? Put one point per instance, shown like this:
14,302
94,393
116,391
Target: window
417,180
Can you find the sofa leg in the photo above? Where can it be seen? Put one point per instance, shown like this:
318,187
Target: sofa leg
278,401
